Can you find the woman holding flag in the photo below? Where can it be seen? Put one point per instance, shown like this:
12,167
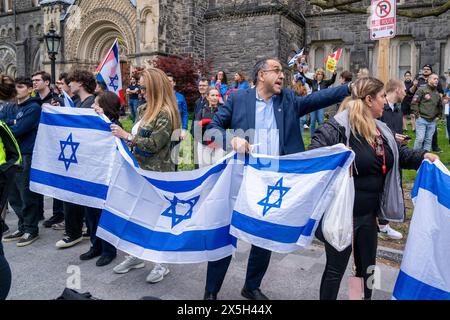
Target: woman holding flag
317,84
377,181
151,142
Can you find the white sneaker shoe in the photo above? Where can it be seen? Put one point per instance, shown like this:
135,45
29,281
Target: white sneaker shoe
158,273
129,263
387,232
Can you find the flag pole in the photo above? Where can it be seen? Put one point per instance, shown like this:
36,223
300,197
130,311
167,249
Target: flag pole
100,66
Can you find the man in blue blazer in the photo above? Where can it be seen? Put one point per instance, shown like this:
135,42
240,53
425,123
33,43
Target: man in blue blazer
259,113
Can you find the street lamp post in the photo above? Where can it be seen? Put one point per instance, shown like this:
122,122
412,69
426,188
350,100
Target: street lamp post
53,41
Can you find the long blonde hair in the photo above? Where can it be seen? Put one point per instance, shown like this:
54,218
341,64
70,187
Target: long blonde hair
361,119
160,97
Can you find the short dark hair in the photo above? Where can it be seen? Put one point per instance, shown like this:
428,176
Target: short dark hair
84,77
64,77
24,81
347,76
203,79
170,75
407,73
102,85
260,65
7,87
44,75
110,103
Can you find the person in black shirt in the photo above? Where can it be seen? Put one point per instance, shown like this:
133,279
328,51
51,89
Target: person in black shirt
410,87
133,97
199,105
377,160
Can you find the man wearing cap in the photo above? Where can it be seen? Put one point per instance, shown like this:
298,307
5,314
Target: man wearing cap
427,70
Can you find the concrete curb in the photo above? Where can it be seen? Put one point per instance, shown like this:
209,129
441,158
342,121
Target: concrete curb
390,254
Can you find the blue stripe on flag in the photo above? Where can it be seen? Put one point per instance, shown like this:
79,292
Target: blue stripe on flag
74,185
432,179
301,166
269,230
409,288
200,240
186,185
75,121
127,150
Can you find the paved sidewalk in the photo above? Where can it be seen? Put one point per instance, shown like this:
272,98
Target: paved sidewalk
40,271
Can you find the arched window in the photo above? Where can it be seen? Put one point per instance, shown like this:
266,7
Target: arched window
10,5
404,59
34,3
319,57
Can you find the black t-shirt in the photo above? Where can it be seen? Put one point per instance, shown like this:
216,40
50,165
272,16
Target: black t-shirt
368,176
133,96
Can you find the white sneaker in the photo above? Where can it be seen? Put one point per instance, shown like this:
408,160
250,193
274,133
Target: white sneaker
387,231
129,263
305,126
158,273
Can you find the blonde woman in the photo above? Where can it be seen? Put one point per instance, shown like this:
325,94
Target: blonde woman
377,162
317,84
150,140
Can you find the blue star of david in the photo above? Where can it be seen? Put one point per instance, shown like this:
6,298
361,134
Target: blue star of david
271,189
171,211
113,82
73,156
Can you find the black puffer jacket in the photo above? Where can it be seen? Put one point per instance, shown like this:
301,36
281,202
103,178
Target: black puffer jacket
332,133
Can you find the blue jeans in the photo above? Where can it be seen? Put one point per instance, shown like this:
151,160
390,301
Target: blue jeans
319,116
424,134
303,120
448,128
133,104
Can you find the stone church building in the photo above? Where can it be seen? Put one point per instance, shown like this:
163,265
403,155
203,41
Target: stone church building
232,33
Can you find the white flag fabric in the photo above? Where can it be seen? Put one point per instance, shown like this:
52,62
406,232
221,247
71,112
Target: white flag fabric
171,217
282,199
72,156
424,272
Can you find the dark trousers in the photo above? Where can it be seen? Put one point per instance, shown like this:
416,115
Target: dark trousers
365,243
98,245
5,275
25,202
41,206
73,215
7,179
434,142
258,262
58,208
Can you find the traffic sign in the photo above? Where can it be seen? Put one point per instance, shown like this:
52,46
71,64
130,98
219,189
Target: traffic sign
383,21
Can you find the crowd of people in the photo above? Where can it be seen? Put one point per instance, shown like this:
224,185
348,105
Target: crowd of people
371,120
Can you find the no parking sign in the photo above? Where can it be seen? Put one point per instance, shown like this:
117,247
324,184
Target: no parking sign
383,20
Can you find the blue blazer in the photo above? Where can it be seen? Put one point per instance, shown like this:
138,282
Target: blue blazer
239,113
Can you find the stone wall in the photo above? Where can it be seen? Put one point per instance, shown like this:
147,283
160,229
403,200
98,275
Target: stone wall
20,41
429,36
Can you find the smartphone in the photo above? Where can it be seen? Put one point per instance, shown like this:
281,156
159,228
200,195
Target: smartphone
407,138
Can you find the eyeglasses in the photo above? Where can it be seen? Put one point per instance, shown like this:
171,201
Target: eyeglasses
428,69
276,70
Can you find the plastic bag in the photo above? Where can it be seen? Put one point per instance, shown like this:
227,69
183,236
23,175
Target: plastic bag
337,223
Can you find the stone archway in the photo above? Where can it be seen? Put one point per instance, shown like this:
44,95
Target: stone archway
100,27
8,60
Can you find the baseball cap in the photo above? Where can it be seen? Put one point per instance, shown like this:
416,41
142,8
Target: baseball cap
428,66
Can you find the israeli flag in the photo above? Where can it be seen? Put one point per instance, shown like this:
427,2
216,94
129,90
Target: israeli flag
73,156
424,272
171,217
295,58
68,102
282,199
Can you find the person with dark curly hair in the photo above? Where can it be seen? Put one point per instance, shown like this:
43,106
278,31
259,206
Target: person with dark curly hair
83,84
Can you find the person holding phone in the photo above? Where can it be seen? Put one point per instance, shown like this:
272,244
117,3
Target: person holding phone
393,117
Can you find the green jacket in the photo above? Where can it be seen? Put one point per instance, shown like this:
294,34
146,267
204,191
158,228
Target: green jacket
427,103
10,147
152,143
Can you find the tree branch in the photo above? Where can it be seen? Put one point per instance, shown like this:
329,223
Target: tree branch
344,5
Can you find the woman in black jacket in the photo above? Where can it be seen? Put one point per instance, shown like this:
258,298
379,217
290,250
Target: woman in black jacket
317,84
376,174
